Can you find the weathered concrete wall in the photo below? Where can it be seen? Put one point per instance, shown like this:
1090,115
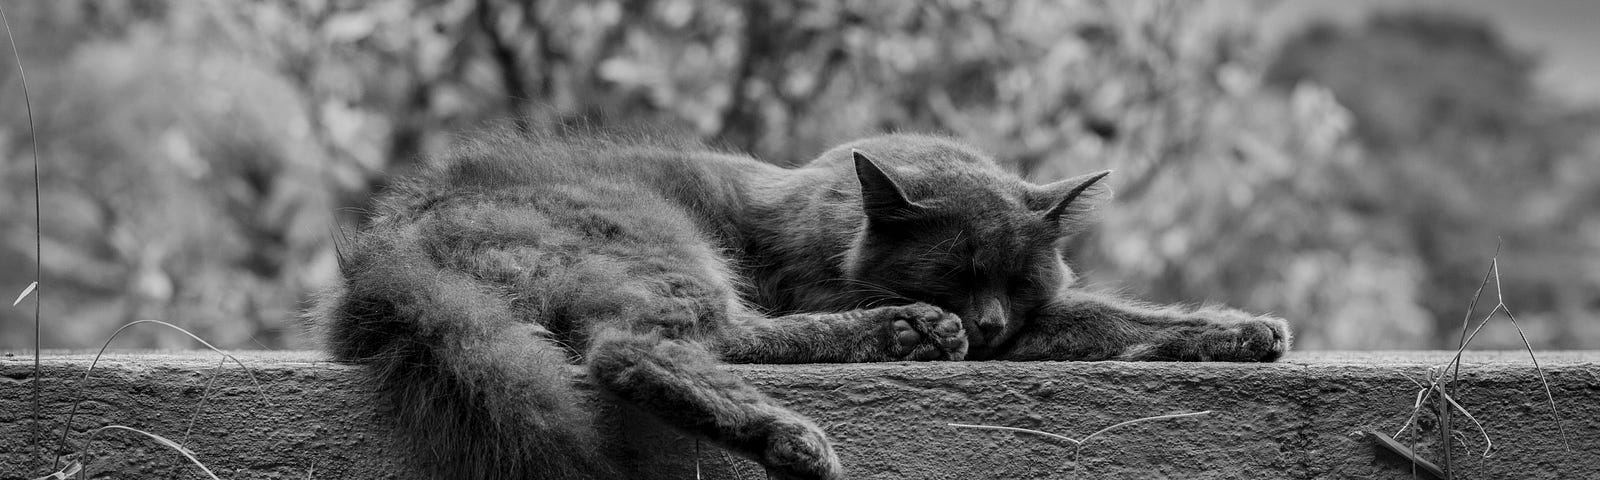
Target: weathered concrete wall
1294,419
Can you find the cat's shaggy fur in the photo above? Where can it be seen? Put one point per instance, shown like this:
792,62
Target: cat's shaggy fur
480,281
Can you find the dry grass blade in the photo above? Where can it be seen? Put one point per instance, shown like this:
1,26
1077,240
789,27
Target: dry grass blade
1445,378
1077,445
1422,395
38,238
1075,441
1500,306
71,469
1488,445
25,293
1404,451
1549,396
1145,419
182,450
1071,440
1473,307
205,394
67,425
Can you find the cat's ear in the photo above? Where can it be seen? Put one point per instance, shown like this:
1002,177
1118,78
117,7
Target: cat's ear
1066,201
881,197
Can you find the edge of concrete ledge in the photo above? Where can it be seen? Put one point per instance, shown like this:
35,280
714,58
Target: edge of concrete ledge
1298,418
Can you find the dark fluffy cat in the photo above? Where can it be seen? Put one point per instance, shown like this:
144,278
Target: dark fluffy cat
479,282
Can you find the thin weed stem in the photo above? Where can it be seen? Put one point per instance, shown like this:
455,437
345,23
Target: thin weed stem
38,238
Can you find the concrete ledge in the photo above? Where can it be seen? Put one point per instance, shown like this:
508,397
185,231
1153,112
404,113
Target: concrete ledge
1294,419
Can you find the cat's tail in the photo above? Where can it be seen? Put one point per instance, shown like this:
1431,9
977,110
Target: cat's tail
472,392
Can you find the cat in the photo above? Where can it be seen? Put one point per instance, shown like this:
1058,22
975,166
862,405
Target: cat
480,281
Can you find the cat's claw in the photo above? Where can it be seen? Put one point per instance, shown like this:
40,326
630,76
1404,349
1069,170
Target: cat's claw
924,332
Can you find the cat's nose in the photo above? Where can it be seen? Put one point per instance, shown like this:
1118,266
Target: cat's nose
991,322
991,331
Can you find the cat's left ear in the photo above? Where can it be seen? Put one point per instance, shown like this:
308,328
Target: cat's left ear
881,197
1066,201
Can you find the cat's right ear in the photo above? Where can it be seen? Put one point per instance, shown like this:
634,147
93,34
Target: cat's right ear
881,197
1066,203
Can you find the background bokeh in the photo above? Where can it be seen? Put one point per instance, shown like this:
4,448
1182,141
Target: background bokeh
1353,172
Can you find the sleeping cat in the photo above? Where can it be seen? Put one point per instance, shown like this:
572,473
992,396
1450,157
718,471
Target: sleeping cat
479,282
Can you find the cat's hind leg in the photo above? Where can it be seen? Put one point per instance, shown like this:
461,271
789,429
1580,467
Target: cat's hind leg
677,381
652,354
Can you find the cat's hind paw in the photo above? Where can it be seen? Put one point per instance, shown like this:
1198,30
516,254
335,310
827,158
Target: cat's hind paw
798,450
924,332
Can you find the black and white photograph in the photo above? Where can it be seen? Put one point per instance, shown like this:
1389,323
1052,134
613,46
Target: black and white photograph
799,239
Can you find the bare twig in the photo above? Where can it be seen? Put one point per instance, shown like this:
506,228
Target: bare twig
1404,451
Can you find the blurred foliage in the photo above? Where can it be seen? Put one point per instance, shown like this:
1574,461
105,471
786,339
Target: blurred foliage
199,155
1462,153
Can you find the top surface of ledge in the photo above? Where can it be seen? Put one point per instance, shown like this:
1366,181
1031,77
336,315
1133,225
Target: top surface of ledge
1306,358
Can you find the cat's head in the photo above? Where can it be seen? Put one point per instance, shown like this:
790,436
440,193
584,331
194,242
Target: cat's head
944,225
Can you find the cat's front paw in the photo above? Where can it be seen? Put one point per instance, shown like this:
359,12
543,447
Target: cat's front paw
797,450
1238,337
923,332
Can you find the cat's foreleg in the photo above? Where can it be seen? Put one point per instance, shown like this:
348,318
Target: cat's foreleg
909,332
1080,325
